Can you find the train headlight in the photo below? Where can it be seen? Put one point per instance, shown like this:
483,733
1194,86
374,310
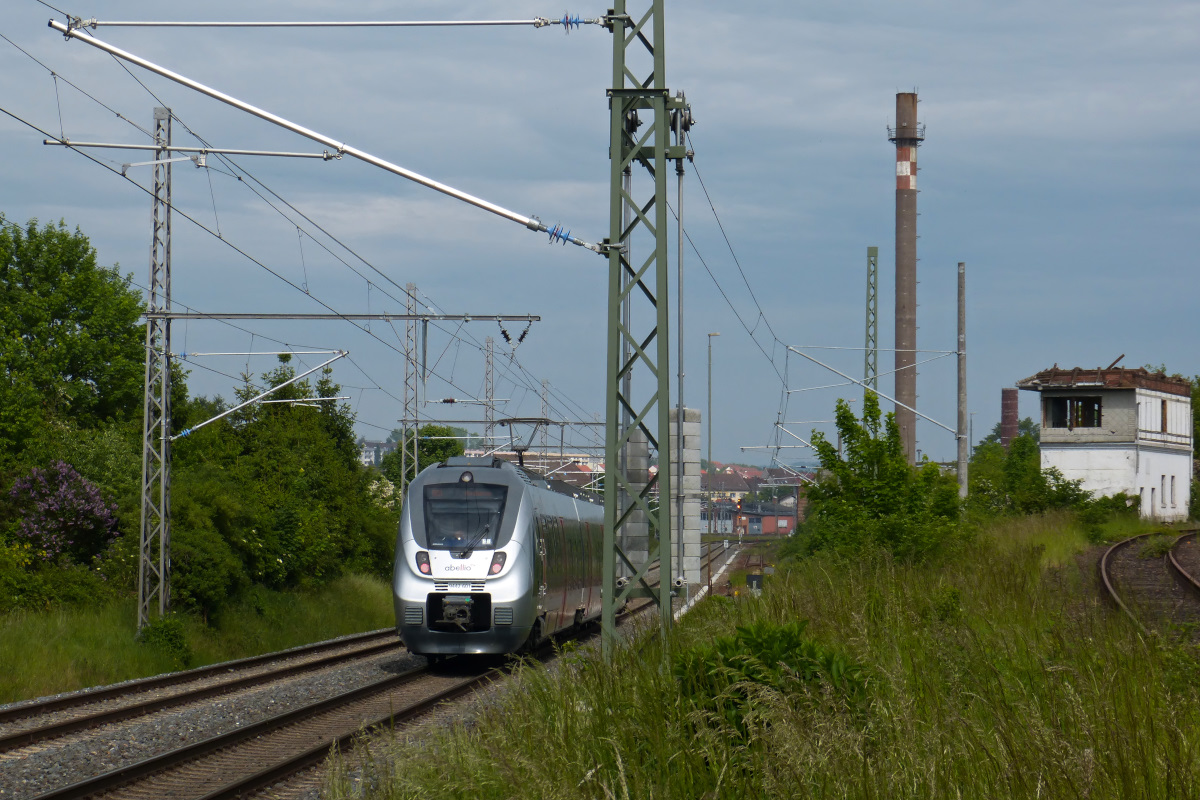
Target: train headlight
497,563
423,562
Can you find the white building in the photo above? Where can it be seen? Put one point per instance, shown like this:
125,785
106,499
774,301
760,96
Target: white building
370,454
1119,430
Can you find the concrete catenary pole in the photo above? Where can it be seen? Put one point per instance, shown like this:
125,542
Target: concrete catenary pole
709,482
907,135
963,442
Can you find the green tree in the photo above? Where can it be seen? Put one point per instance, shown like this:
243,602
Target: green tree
1025,427
72,345
872,497
275,495
1012,480
434,445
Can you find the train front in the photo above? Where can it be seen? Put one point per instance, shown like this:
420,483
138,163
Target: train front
463,578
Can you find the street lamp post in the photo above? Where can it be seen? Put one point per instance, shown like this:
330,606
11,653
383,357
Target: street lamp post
710,466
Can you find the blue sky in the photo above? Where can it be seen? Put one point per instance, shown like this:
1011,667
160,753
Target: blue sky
1059,164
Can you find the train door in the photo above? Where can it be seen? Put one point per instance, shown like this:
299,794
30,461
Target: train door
563,571
539,566
589,570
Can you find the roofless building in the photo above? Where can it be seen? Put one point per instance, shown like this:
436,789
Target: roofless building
1119,430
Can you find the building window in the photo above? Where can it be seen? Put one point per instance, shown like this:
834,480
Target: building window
1072,412
1164,416
1172,491
1162,494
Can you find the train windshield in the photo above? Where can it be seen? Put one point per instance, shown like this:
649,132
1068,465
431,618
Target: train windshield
463,516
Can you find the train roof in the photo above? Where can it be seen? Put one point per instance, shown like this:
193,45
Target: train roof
528,476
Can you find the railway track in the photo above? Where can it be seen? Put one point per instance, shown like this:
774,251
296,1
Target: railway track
261,753
1152,583
35,722
250,758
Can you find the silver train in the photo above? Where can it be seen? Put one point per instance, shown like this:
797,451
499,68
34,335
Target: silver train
491,558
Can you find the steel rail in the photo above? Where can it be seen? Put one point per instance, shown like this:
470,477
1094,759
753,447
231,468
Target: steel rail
36,707
1105,577
312,756
144,708
315,755
155,764
533,223
1180,571
290,765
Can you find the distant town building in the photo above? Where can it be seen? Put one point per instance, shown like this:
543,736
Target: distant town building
370,454
1119,430
726,487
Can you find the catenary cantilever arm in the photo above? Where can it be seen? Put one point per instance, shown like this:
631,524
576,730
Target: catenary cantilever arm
533,223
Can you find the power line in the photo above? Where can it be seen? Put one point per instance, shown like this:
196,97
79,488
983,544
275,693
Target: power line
233,166
292,207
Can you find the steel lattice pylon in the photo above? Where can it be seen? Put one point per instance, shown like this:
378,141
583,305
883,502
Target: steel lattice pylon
154,566
489,393
871,359
408,452
638,50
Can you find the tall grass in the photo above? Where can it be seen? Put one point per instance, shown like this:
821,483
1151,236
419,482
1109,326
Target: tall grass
48,652
989,676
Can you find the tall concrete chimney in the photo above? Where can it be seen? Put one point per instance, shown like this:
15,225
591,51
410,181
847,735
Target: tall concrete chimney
908,135
1009,415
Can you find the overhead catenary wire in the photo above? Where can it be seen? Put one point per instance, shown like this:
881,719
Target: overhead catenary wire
251,177
533,223
86,94
522,370
567,22
231,245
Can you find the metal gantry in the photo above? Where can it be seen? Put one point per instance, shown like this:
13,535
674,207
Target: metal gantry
638,88
408,451
871,358
154,543
489,392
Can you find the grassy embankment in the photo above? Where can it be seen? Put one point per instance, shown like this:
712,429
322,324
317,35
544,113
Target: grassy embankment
995,673
60,650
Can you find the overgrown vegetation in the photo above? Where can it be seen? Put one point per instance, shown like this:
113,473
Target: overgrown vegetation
1011,481
272,497
869,496
990,672
69,647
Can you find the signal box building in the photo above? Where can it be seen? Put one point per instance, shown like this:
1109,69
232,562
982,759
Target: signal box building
1119,430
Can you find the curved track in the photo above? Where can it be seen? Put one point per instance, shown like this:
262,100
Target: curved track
1151,588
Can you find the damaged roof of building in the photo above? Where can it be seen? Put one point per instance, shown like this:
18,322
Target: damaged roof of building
1117,378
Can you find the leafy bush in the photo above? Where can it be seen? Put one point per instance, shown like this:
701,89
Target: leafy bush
41,589
872,497
59,513
720,678
167,635
1012,481
1099,511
